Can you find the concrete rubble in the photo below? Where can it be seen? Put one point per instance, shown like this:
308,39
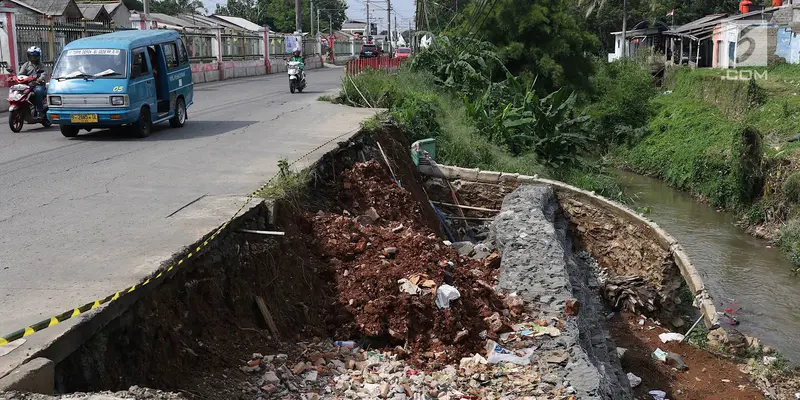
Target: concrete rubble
134,392
329,372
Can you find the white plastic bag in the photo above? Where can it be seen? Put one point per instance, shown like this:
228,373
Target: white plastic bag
670,337
498,354
445,294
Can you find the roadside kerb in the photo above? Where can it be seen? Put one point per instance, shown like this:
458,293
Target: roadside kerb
703,300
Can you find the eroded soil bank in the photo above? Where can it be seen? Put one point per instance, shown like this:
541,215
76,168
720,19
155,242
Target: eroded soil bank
363,262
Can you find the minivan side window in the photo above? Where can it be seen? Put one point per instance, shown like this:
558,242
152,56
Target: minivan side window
139,66
182,53
170,55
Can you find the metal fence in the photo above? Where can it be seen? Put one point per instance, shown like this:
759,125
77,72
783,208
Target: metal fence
51,35
341,47
200,46
241,47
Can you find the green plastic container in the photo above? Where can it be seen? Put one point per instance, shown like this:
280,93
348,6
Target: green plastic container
419,147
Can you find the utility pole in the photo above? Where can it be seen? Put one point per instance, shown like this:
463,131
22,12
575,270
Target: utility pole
396,27
389,23
369,26
311,17
298,16
624,28
318,27
146,14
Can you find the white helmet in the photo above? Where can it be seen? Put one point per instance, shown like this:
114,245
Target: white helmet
34,51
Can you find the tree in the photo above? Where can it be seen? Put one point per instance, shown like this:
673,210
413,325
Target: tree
175,7
279,14
544,38
133,5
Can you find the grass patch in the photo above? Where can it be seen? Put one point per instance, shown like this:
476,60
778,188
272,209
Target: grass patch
694,146
788,240
290,185
327,97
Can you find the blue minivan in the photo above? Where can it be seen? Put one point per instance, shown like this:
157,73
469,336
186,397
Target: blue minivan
133,78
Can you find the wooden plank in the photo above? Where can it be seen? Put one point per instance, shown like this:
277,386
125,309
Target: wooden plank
267,316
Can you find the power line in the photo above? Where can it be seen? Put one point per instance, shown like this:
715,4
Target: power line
485,17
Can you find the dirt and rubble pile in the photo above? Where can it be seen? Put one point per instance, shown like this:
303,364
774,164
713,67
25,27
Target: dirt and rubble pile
389,268
325,371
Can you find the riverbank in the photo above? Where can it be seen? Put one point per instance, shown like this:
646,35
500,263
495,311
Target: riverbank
728,143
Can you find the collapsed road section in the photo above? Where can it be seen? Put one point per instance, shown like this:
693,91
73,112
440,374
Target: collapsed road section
362,298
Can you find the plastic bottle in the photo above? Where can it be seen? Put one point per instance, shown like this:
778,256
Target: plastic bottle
347,344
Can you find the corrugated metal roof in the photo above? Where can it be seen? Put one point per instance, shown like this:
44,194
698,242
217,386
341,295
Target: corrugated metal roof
48,7
240,22
91,11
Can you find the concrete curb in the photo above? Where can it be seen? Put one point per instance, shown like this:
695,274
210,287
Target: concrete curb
703,299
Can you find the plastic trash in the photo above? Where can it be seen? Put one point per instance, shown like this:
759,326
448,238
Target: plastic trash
347,344
670,337
634,380
498,354
797,396
660,355
408,287
658,394
445,294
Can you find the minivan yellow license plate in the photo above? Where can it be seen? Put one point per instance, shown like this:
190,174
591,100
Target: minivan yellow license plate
84,118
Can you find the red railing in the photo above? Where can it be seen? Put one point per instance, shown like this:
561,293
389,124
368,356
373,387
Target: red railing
386,63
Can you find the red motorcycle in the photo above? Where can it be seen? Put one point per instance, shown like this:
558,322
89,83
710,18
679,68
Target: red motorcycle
21,107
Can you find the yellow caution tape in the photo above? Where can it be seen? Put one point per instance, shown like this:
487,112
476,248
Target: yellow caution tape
72,313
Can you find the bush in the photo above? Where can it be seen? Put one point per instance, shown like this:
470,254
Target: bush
788,240
622,91
417,114
791,187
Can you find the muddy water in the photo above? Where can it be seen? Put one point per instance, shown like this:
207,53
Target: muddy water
739,270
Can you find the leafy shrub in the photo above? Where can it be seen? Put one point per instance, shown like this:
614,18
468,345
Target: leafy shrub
417,114
622,91
791,187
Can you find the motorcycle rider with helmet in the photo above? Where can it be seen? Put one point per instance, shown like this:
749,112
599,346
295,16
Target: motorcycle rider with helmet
299,58
34,67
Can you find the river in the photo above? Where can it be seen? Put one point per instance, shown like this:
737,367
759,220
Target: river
739,270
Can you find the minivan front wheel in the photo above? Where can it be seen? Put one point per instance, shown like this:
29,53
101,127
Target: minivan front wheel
179,118
144,125
69,131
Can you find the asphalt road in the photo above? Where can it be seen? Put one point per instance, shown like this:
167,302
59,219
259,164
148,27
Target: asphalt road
81,218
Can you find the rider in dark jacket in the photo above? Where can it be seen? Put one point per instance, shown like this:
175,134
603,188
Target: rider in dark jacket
34,67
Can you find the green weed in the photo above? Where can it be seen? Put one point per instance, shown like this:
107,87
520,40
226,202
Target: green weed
791,187
788,240
289,185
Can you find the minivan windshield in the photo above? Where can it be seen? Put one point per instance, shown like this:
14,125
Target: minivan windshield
368,47
92,64
404,50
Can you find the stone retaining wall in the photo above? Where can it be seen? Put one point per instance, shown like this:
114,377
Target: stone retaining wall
567,193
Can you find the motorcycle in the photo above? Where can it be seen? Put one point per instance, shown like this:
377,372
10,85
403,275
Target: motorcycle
21,107
297,78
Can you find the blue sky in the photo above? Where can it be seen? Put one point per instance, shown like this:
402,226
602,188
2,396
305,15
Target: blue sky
357,10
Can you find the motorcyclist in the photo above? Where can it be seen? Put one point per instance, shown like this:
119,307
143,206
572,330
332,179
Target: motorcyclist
296,56
34,67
